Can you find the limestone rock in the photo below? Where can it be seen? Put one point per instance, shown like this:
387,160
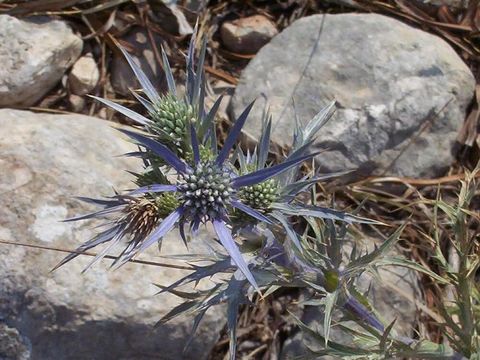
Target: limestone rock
34,57
247,35
12,346
46,160
389,80
84,75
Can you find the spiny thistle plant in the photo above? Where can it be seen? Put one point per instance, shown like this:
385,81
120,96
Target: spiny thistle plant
189,181
205,190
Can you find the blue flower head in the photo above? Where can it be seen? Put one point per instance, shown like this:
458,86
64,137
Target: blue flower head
207,190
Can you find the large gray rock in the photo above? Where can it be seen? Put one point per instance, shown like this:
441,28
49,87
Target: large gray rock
34,57
45,160
388,78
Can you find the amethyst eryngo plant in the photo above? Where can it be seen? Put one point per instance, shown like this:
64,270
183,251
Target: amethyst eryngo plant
188,180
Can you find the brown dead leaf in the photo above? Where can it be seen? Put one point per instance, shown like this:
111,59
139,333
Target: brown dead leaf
221,75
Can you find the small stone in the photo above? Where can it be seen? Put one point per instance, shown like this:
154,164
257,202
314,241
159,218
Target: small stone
122,77
247,35
34,55
103,113
77,103
195,6
84,75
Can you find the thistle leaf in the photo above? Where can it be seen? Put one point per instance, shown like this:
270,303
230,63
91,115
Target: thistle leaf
161,150
228,243
172,88
154,188
321,212
318,121
165,226
194,143
234,134
264,144
333,347
248,210
147,86
146,104
140,119
292,235
209,120
404,262
232,313
330,301
266,173
372,257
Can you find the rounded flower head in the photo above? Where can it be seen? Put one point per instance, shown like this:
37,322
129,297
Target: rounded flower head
171,116
260,196
206,191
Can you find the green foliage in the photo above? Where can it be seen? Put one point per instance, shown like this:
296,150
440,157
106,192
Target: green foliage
455,227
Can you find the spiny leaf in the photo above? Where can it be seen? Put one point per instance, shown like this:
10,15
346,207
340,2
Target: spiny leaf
172,88
385,335
360,263
330,301
404,262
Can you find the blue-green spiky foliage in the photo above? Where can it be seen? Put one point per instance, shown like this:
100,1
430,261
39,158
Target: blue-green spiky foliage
178,141
206,190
